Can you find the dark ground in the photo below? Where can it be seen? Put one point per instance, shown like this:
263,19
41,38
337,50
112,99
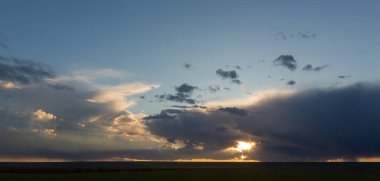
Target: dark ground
188,171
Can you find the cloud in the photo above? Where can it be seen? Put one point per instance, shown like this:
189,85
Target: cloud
178,97
292,82
185,88
320,68
115,96
343,122
196,129
309,67
23,71
233,111
232,75
344,76
81,129
187,65
183,94
306,35
287,61
89,123
87,76
9,85
227,74
41,115
213,89
236,81
298,35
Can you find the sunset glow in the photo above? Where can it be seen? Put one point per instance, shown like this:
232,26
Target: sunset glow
203,80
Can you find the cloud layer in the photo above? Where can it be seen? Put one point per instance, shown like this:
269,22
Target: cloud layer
342,122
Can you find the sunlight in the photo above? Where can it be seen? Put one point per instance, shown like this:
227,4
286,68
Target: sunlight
244,146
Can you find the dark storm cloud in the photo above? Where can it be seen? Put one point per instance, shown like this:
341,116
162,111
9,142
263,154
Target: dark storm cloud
343,122
292,82
233,111
23,71
213,132
287,61
232,75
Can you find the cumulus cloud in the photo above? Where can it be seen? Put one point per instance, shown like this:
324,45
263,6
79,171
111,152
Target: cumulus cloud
232,75
81,129
287,61
89,123
41,115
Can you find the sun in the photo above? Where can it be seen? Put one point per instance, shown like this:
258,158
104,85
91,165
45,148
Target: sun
244,146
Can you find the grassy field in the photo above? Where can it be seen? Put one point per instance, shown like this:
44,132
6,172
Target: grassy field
199,172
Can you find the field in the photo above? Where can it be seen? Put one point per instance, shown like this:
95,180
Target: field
110,171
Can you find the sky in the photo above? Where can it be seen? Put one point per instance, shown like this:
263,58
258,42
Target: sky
210,80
